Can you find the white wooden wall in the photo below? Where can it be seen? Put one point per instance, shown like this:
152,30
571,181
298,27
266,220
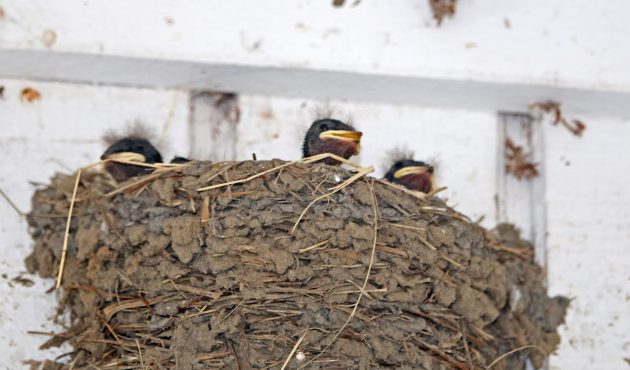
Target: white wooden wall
401,79
60,132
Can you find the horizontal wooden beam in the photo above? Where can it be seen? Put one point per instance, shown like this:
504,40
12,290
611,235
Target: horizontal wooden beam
493,54
302,82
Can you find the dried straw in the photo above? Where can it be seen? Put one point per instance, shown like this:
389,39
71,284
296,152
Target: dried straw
123,158
362,172
514,351
295,347
365,281
64,249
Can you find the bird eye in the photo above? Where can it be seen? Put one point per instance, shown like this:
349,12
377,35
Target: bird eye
323,127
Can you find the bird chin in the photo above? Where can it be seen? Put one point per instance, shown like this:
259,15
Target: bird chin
422,182
341,148
344,148
121,172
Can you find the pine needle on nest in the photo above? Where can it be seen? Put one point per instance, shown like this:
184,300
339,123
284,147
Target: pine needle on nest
15,208
362,172
123,158
312,159
498,359
367,276
295,347
64,248
335,248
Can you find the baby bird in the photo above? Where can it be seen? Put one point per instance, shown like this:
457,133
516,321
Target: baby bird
329,135
412,174
144,151
180,160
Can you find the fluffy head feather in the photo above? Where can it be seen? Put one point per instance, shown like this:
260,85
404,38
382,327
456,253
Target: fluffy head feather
134,130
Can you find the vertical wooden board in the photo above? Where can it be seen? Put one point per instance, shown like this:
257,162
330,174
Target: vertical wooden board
214,119
461,143
59,132
520,194
589,236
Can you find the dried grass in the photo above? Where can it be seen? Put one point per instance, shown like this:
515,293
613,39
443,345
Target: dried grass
204,302
503,356
365,281
122,158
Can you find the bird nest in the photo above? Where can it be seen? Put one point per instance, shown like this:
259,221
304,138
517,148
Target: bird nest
272,264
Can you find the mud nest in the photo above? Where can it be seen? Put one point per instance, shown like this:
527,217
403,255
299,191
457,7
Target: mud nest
162,275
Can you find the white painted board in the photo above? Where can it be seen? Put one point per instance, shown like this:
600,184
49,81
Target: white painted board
493,55
588,220
569,43
461,143
61,131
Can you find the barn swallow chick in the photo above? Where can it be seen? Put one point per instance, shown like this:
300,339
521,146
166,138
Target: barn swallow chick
179,160
135,149
331,136
414,175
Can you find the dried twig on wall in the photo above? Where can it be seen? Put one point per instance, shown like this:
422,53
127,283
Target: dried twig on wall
518,163
340,3
30,95
227,106
575,126
442,9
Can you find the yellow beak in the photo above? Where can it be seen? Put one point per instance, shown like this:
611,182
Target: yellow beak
126,157
344,135
411,170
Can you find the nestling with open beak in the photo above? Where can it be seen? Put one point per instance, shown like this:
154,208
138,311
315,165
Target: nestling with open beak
414,175
331,136
136,149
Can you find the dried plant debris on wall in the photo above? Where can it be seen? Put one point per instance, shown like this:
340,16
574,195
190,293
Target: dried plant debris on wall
442,9
575,126
518,162
30,94
340,3
48,38
227,105
238,265
22,281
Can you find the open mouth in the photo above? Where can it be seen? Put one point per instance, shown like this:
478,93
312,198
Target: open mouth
346,138
125,157
343,135
420,176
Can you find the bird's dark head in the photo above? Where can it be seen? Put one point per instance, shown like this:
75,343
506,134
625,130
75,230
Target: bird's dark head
179,160
134,145
414,175
331,136
130,148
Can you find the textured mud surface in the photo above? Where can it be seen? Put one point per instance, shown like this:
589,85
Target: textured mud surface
165,276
